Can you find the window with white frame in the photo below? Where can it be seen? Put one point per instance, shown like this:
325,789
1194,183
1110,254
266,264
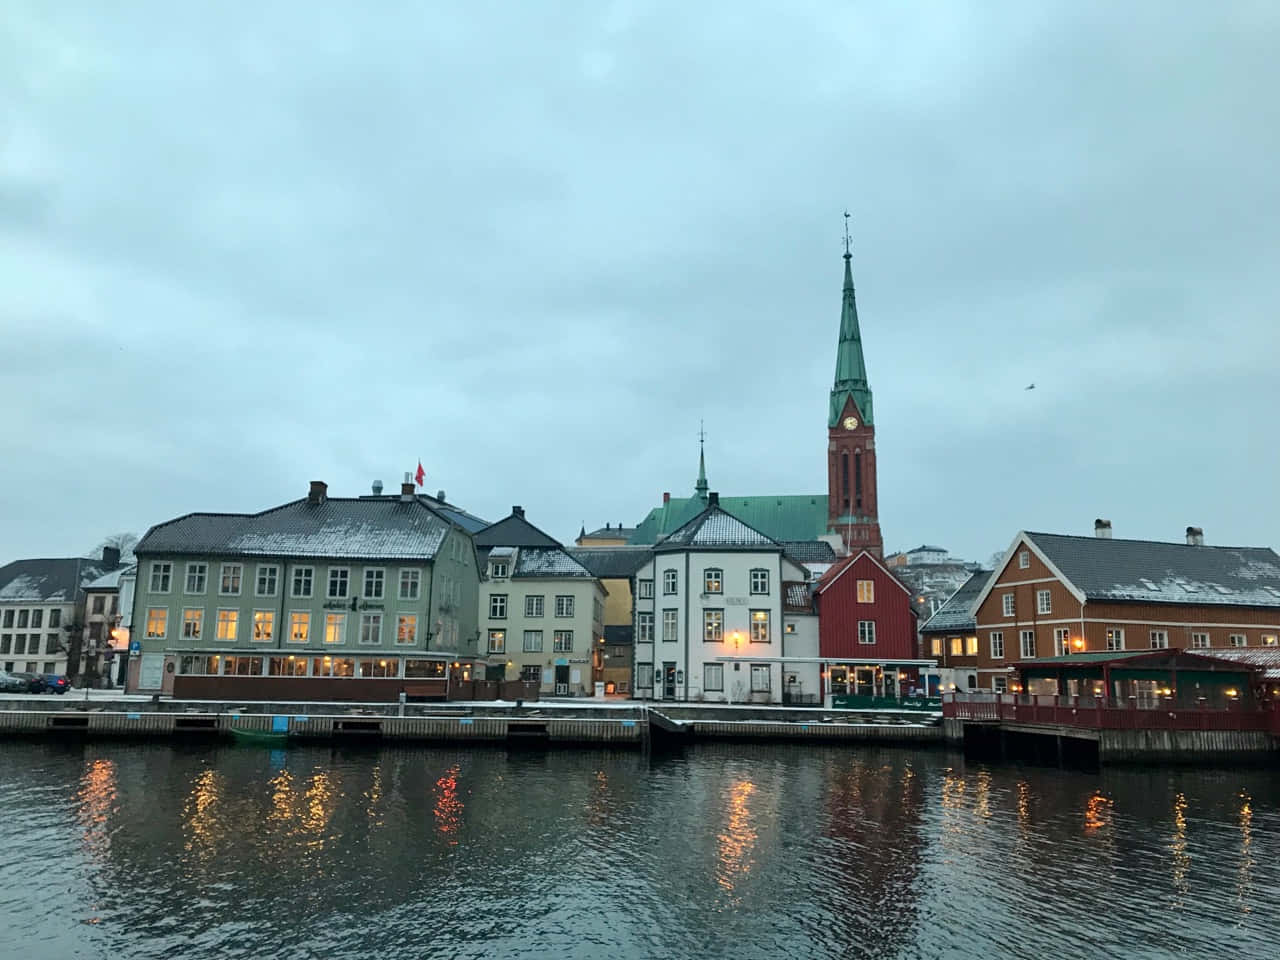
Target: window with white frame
713,626
1200,641
760,673
644,625
531,673
534,605
370,628
866,631
866,591
1237,640
407,628
268,575
670,626
498,569
1044,601
299,626
1006,604
375,582
264,626
1000,684
1027,643
339,582
1269,640
564,606
229,580
302,577
669,581
192,621
760,626
644,588
759,581
1115,638
1061,641
498,606
713,677
997,644
1159,639
644,675
533,641
935,646
562,641
161,576
713,580
789,627
197,578
157,622
228,625
410,584
497,641
1024,559
335,628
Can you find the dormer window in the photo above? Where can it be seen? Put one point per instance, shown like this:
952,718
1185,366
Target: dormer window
498,569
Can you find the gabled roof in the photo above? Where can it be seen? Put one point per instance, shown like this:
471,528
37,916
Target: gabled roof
613,533
111,579
809,551
348,528
957,613
49,580
548,562
782,518
514,531
716,529
826,581
1153,571
615,563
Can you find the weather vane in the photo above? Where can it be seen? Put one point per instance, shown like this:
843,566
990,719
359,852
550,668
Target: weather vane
847,241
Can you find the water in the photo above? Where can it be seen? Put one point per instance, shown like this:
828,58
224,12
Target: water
124,851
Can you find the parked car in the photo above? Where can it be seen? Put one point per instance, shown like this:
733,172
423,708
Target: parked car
55,683
11,684
34,682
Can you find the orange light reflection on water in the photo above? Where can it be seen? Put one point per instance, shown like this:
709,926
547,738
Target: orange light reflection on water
97,796
739,837
448,808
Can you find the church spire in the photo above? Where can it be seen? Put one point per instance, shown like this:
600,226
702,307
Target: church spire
851,367
701,487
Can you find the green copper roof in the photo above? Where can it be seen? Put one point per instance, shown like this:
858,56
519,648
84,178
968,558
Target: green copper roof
851,366
779,518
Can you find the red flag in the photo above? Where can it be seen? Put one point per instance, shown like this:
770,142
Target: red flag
421,475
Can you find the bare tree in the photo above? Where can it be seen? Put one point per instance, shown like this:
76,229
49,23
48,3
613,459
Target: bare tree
124,542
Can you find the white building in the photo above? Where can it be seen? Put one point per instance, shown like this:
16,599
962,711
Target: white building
712,621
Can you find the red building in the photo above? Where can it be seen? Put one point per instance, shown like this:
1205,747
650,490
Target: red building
866,628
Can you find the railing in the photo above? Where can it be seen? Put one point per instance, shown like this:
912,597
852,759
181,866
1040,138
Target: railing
1100,713
866,702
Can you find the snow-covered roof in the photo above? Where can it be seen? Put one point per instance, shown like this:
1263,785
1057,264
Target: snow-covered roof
548,562
956,615
617,563
715,529
111,579
809,551
50,580
796,597
1265,658
354,528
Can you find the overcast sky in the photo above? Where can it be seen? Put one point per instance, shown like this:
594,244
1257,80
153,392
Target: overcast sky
244,246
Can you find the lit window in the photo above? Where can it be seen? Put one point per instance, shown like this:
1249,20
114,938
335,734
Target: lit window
299,626
713,677
788,628
1062,641
302,581
935,646
866,631
866,591
410,584
1044,601
1268,639
192,619
157,618
230,579
497,641
1028,644
1115,638
1200,641
267,578
534,606
1007,604
562,641
370,628
379,668
339,582
669,581
374,583
759,626
532,641
197,577
997,644
264,626
498,606
335,628
759,581
161,573
713,580
1159,639
957,646
228,625
971,646
564,606
713,626
407,628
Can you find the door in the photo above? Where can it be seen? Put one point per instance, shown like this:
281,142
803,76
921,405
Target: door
839,681
668,681
562,680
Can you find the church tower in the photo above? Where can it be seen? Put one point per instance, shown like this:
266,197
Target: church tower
851,434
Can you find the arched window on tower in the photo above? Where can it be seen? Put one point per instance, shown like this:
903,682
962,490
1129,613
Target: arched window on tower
857,480
844,480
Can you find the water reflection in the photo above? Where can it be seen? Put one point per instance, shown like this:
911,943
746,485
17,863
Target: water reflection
738,839
1244,884
97,806
1180,858
199,816
448,807
318,799
1097,812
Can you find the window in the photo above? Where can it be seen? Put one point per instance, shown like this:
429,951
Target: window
1006,602
1237,640
55,618
1159,639
228,625
230,579
713,677
957,646
646,589
531,673
669,581
1028,644
644,627
160,576
47,667
99,606
971,646
760,677
713,626
760,626
287,666
644,674
379,668
866,591
370,628
670,626
713,580
197,578
302,581
533,606
935,646
498,569
1044,601
1200,641
564,606
20,643
264,626
410,584
268,575
1000,684
789,627
8,618
419,669
866,631
23,616
339,582
157,618
759,581
497,641
1115,638
192,619
199,665
299,626
562,641
333,667
532,641
374,583
997,644
407,628
95,631
1062,641
6,643
498,606
335,628
1268,639
242,666
1024,559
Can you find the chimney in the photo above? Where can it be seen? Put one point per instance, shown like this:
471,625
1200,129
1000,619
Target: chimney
377,488
1195,537
110,557
666,497
517,511
319,490
406,491
1102,529
440,495
607,526
713,499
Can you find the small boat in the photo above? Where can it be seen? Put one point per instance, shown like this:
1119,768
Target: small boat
259,738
